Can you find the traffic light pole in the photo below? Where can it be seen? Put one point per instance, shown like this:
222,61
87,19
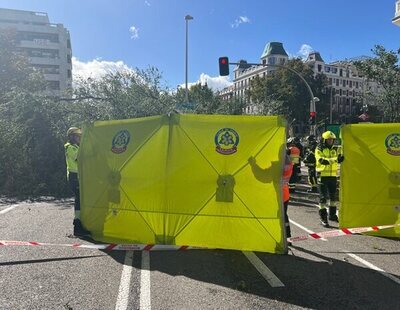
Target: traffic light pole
313,99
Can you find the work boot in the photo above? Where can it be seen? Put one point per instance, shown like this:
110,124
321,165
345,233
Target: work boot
79,230
323,214
332,214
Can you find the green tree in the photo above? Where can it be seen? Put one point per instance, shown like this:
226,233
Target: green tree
284,93
31,156
384,69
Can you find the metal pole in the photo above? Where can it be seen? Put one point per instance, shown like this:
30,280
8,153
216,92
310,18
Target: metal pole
187,18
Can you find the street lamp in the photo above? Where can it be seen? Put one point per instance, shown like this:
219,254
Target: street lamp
187,18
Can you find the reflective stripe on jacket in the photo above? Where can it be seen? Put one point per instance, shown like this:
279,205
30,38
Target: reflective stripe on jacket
329,154
71,157
287,172
294,154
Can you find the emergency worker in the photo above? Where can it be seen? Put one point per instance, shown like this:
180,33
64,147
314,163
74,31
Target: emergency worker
294,154
310,162
263,176
71,157
327,160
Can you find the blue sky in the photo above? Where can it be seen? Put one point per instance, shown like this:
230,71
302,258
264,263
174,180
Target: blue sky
142,33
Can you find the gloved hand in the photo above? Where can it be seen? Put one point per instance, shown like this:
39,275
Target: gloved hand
324,161
340,158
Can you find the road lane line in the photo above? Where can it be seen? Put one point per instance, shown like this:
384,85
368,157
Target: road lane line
268,275
372,266
123,292
305,229
145,299
7,209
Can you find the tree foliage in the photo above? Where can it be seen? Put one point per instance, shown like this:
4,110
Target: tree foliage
33,124
384,69
283,92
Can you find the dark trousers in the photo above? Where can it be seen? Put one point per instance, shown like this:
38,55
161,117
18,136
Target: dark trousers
312,176
74,185
328,190
287,225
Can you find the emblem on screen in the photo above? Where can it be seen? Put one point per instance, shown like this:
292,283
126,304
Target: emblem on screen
226,141
120,142
392,144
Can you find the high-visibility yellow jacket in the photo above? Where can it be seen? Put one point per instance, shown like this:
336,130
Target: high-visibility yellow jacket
71,157
323,153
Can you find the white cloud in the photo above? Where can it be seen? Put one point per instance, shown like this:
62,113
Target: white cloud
215,83
304,51
134,32
147,3
96,68
240,20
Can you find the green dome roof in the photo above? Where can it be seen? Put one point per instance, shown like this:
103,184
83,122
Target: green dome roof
273,48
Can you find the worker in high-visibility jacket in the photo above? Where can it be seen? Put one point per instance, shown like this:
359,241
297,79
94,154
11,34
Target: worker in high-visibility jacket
263,176
71,157
287,173
294,154
327,160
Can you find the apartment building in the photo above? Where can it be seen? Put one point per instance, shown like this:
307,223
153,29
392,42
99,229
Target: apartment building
47,45
345,85
273,54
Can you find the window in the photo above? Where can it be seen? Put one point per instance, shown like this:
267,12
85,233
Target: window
337,82
341,72
69,75
53,85
282,61
330,81
319,68
351,84
356,84
327,69
69,58
271,60
334,70
68,43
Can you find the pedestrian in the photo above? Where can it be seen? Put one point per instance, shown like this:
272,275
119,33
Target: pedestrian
71,157
294,154
310,162
327,160
287,172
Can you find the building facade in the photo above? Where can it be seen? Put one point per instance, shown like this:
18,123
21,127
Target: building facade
47,46
345,85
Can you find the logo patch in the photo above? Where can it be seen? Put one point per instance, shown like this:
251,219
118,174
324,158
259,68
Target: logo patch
226,141
392,144
120,142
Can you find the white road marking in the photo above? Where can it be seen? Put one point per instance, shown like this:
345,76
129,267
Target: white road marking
123,292
361,260
268,275
305,229
7,209
145,299
372,266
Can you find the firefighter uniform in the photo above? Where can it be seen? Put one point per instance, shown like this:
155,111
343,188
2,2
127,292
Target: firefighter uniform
294,154
310,162
327,159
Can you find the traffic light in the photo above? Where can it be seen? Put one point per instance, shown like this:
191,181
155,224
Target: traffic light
223,66
312,120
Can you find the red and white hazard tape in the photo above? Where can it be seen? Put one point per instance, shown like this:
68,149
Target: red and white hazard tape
166,247
340,232
107,247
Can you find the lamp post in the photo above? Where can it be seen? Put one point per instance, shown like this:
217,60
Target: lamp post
187,18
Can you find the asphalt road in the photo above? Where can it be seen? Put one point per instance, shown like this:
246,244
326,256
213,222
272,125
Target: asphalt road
339,273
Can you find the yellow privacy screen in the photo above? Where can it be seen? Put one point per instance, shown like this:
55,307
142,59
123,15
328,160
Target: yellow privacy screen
370,177
184,180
